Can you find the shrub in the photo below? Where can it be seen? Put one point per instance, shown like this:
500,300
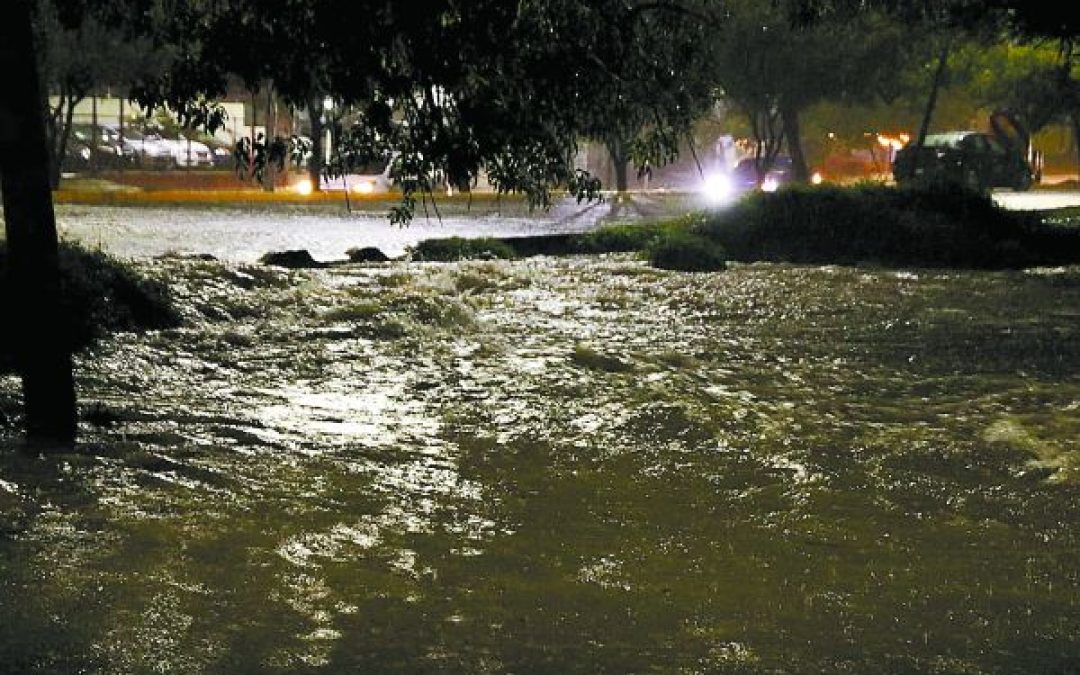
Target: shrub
102,295
99,295
297,259
686,252
449,249
930,227
620,238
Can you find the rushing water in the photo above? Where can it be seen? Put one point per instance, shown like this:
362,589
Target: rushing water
562,465
328,230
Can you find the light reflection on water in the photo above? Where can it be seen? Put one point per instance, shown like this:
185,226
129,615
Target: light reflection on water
578,465
327,232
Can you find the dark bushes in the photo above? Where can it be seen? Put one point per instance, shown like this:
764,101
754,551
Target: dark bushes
100,295
686,252
625,238
929,227
297,259
449,249
607,239
933,226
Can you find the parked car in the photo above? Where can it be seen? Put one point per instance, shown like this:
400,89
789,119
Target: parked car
976,160
79,154
221,154
142,149
86,150
189,153
76,156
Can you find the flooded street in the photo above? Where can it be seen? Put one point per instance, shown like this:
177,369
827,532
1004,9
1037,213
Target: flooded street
328,230
572,465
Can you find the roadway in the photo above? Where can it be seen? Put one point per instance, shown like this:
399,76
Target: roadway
1037,200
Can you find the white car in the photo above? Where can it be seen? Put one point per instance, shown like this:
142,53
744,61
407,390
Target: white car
142,149
188,153
374,179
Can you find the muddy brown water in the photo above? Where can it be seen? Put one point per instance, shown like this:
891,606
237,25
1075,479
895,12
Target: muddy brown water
572,465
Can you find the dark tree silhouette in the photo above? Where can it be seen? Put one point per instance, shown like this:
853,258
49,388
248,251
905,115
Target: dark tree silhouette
30,227
449,89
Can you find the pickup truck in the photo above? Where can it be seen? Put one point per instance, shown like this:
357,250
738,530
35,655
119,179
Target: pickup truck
976,160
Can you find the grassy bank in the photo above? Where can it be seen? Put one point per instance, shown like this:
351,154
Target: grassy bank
891,227
100,295
860,225
609,239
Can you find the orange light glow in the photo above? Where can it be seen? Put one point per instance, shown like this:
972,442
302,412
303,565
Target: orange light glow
894,142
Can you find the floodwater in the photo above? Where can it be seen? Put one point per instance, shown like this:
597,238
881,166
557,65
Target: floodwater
1037,200
574,465
328,230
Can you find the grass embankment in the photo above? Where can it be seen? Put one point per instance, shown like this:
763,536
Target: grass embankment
669,244
99,295
875,225
937,227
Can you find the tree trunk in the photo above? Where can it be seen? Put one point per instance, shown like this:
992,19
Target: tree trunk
64,133
53,136
254,138
270,175
315,162
33,271
618,163
768,133
120,127
95,133
792,132
935,89
1075,117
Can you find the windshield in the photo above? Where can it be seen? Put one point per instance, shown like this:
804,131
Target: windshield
747,165
943,140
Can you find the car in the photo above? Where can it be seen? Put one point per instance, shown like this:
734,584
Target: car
189,153
721,187
142,149
221,154
973,159
89,150
744,176
79,154
371,179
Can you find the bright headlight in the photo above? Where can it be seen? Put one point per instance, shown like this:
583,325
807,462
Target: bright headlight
364,187
770,184
717,187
